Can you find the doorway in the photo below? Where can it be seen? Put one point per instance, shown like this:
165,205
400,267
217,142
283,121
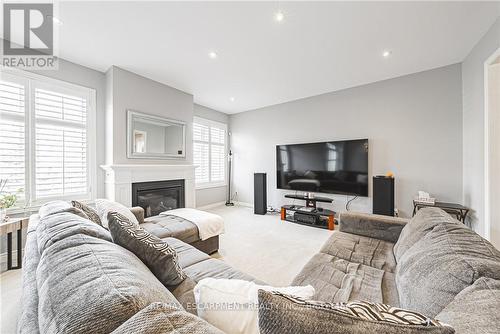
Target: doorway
492,148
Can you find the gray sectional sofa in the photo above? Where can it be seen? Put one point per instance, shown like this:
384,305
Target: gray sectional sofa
432,264
76,280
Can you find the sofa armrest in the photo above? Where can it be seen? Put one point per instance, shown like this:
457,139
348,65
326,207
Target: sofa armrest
374,226
138,213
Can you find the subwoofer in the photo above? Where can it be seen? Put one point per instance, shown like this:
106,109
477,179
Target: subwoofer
383,195
260,193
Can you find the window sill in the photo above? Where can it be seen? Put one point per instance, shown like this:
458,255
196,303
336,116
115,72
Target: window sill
210,185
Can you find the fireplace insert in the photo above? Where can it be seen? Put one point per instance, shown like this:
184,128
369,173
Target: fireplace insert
158,196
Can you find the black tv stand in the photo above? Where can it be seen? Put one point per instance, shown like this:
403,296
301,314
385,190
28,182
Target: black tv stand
310,202
309,214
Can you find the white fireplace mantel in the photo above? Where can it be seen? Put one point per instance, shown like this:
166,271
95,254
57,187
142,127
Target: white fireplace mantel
119,179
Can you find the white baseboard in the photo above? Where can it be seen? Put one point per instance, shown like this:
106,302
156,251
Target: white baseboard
210,206
217,204
248,205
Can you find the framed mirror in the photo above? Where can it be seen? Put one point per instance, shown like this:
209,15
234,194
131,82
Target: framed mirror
153,137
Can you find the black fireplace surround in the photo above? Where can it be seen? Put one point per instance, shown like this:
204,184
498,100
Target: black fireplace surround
158,196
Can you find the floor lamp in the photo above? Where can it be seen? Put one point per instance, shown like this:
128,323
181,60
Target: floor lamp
229,202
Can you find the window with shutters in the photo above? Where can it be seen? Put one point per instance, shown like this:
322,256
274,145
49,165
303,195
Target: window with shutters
209,152
47,132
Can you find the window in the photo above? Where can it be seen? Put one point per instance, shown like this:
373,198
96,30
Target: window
209,152
47,149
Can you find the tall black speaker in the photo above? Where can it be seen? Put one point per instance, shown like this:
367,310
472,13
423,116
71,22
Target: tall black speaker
383,195
260,193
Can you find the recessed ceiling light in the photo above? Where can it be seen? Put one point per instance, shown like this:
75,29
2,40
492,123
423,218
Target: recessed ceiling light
232,99
212,54
387,53
279,16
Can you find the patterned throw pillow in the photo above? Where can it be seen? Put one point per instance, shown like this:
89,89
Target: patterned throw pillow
155,253
288,314
91,213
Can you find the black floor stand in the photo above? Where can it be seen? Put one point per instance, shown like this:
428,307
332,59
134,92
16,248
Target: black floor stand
229,202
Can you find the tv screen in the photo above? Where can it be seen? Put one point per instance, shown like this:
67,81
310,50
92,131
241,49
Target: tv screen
336,167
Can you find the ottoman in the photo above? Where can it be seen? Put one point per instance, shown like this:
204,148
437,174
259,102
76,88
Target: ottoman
176,227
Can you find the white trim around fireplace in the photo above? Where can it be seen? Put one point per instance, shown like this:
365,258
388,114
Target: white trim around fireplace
119,179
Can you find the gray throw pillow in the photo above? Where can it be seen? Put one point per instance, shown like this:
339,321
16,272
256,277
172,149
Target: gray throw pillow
284,314
155,253
91,213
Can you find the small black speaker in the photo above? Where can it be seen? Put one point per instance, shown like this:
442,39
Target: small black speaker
260,193
383,195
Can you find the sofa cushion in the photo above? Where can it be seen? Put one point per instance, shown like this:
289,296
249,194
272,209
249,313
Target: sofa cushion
159,318
184,293
155,253
53,207
216,269
89,285
339,280
187,254
355,248
105,206
422,223
475,309
444,262
172,226
371,225
91,213
63,224
284,314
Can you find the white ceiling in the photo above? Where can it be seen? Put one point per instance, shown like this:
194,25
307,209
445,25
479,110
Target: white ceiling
319,47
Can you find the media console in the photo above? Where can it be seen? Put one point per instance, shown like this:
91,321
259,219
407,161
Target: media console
309,214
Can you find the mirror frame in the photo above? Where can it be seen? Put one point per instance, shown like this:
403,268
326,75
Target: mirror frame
131,114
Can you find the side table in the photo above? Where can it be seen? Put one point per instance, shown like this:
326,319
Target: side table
457,210
8,227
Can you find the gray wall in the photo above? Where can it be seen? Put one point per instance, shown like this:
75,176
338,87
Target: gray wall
217,194
473,121
132,91
414,126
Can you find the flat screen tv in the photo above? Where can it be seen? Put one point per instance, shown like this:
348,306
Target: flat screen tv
335,167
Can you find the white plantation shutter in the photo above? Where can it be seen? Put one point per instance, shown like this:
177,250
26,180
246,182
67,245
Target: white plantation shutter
201,153
209,143
218,154
200,159
217,163
200,132
60,144
46,132
217,135
12,137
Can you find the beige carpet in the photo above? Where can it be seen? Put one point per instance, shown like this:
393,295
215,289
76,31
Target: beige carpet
262,246
266,247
